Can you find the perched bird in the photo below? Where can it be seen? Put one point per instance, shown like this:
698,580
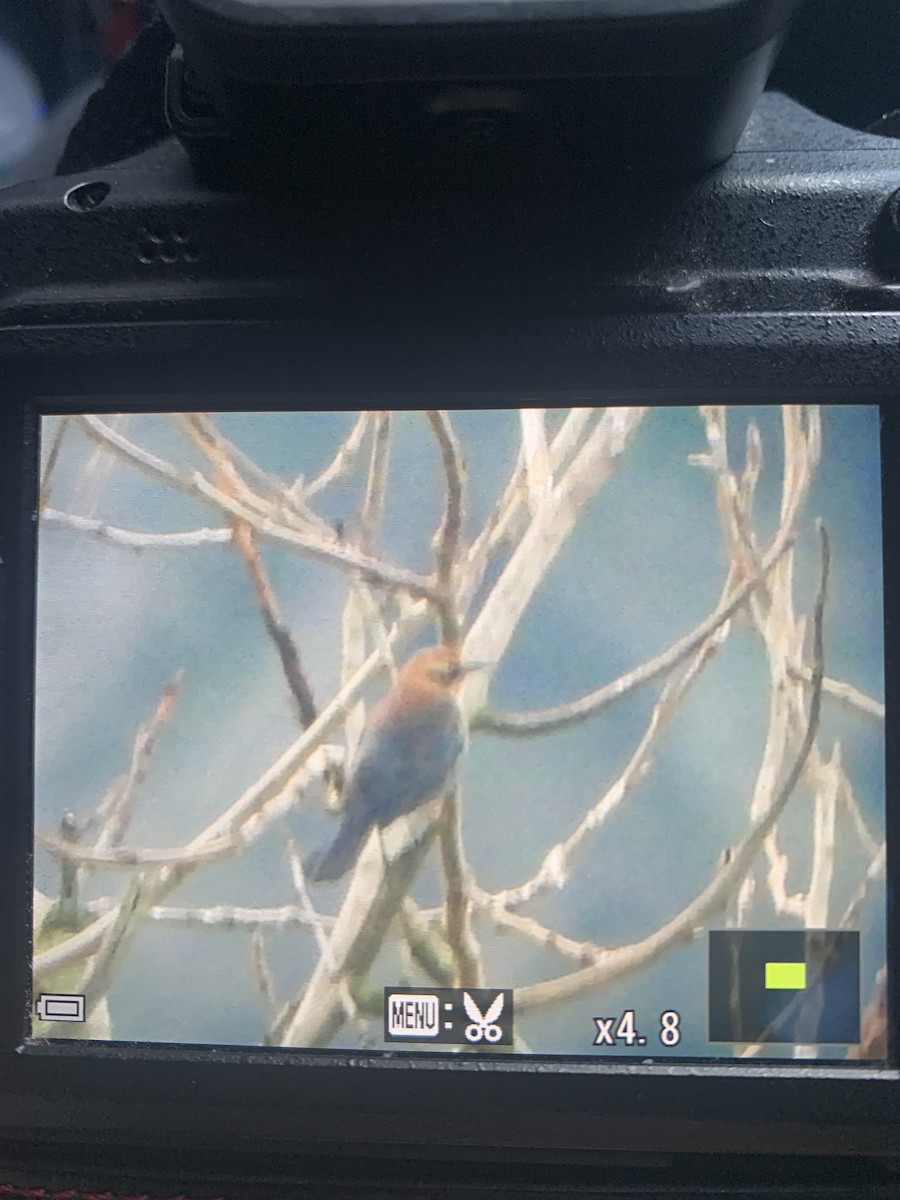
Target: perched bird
408,750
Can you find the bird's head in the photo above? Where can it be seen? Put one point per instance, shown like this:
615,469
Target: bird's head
441,667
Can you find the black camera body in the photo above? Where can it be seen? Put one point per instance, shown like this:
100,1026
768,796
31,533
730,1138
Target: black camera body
514,227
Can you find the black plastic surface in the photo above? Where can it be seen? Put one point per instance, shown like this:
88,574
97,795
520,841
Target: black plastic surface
776,277
637,86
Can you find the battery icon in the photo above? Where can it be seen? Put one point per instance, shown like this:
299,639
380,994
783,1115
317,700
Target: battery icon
57,1006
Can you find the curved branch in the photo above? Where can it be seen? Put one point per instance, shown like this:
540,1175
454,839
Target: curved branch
549,720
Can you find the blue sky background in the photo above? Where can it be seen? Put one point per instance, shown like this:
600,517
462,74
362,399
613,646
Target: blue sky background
645,563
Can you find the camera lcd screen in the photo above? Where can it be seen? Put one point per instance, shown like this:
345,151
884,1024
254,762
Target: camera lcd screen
540,731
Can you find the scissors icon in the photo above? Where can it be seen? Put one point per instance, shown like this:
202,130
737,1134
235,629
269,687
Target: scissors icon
483,1025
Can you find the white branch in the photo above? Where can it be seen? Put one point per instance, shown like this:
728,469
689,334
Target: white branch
132,539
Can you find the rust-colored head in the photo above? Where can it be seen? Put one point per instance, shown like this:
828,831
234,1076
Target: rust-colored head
438,667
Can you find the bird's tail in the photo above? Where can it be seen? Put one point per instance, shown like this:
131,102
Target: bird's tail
336,860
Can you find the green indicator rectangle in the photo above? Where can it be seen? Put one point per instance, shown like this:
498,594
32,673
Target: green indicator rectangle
790,976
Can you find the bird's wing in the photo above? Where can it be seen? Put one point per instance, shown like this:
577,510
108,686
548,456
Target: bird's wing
405,763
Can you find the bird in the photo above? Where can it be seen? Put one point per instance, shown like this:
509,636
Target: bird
407,755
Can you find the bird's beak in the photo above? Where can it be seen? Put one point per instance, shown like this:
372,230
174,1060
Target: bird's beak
467,667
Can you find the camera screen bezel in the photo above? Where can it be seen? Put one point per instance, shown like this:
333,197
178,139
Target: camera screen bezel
167,1094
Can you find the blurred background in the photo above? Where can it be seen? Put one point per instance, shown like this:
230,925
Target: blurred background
53,54
645,564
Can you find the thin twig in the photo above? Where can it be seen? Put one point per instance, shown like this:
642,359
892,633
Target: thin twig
279,634
873,1040
584,953
116,812
132,539
874,875
323,941
262,971
447,539
172,866
342,463
226,457
222,916
846,694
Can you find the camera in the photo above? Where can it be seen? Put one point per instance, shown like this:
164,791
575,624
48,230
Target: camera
447,531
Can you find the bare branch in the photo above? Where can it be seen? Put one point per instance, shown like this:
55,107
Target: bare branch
247,816
873,1042
132,539
584,953
816,902
845,694
227,916
874,875
62,429
117,810
590,468
94,983
262,971
625,960
281,637
342,463
828,781
550,720
361,622
447,539
510,507
126,856
536,453
376,485
468,968
234,465
322,938
194,483
381,880
380,883
426,945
